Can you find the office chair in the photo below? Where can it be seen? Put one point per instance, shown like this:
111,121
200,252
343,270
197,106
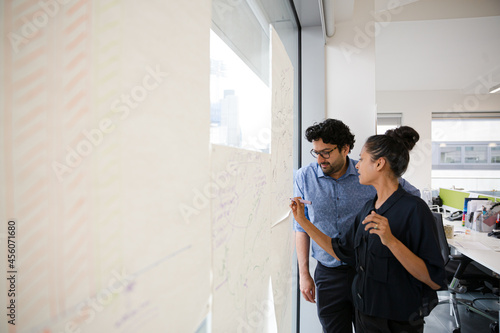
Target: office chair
460,277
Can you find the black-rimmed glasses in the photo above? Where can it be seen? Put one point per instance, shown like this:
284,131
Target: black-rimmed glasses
324,153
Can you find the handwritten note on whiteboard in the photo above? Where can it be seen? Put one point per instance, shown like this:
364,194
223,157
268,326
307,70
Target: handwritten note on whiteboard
240,235
282,236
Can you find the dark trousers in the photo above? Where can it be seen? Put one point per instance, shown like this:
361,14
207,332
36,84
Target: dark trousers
334,298
369,324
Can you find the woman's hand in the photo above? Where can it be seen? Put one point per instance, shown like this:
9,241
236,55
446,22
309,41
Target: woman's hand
318,236
377,224
297,209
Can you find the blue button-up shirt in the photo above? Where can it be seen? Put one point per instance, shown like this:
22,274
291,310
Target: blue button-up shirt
335,202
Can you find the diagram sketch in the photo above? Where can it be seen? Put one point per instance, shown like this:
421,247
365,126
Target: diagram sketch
240,236
92,171
282,236
282,130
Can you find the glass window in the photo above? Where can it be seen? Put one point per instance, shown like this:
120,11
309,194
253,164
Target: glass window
240,94
240,102
466,150
451,154
476,154
495,154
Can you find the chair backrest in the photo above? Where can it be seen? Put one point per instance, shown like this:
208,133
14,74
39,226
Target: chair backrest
443,242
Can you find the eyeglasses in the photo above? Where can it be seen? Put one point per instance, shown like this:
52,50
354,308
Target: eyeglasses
323,153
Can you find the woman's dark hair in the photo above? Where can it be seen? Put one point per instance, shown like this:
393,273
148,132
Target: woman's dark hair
394,146
331,131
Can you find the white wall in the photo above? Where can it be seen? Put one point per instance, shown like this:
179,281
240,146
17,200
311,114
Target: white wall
417,108
313,84
313,110
417,114
350,75
361,61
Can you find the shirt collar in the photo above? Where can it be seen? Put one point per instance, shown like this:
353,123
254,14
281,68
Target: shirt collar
351,168
390,201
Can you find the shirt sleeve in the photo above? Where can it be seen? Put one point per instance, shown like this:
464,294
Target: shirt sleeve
409,187
425,243
344,246
298,191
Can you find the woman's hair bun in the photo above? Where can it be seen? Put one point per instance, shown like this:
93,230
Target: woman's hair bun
405,135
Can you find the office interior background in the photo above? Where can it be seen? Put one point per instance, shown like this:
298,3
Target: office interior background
202,73
426,64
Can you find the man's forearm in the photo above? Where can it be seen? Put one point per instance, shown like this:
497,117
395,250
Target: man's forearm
302,243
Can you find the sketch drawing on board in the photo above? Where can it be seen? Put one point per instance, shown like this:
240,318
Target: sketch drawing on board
240,235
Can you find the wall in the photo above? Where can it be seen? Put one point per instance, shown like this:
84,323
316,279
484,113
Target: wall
368,71
417,108
313,110
94,168
313,84
350,75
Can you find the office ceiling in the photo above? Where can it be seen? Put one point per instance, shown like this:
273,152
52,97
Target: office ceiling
429,44
308,11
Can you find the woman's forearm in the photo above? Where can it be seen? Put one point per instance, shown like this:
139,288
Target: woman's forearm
319,237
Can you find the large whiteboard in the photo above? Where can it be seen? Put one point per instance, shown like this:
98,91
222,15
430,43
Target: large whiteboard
241,238
126,219
252,228
282,236
96,164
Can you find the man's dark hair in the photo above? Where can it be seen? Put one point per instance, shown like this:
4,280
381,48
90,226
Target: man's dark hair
331,131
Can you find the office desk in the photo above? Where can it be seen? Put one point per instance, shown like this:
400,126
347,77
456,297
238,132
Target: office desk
478,246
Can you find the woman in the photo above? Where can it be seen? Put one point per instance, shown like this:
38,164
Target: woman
392,243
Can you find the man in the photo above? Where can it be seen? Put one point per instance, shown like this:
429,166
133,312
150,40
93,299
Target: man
332,186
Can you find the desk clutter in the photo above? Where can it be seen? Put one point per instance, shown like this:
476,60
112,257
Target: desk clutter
494,234
472,266
471,231
480,214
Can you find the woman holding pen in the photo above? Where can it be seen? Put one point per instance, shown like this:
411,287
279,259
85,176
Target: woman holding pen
392,244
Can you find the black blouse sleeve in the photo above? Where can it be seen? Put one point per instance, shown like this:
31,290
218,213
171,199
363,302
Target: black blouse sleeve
426,244
344,246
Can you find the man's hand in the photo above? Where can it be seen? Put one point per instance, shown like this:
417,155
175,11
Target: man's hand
307,288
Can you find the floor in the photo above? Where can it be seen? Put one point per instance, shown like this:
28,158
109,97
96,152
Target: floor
440,321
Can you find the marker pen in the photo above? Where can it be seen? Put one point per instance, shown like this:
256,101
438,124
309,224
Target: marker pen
307,202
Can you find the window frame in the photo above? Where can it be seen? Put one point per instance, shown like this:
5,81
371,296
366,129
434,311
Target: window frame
463,165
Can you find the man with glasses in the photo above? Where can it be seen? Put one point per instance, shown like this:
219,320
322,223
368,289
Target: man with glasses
331,184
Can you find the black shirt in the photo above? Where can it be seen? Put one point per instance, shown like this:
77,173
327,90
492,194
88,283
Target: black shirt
382,287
